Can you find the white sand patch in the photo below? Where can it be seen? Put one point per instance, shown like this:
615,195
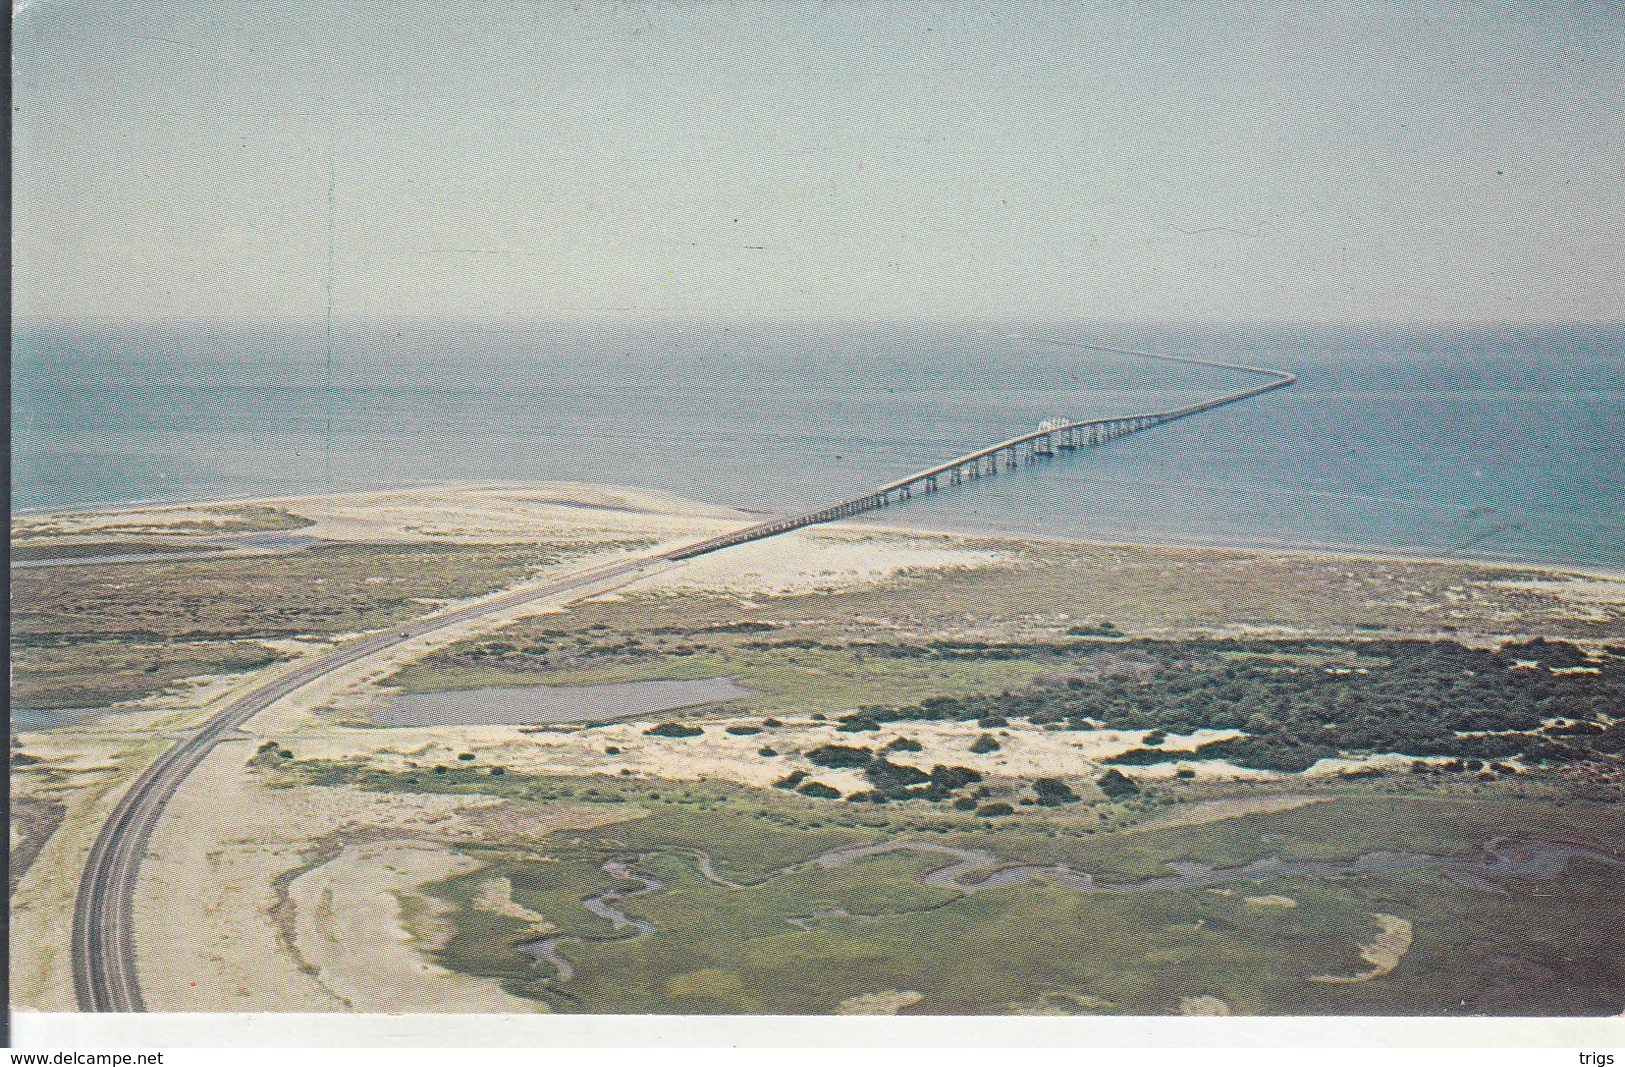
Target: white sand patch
479,512
496,896
206,940
294,645
885,1002
1343,764
1203,1006
510,512
350,928
1383,953
821,558
1574,589
1024,753
206,936
1215,770
86,774
1218,810
1272,900
1060,1004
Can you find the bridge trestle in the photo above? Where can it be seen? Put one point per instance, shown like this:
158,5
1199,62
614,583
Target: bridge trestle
1051,435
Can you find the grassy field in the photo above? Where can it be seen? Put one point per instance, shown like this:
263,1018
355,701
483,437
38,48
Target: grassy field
1296,700
1033,638
92,634
800,680
218,519
1043,589
94,674
225,518
778,943
52,549
1140,954
807,651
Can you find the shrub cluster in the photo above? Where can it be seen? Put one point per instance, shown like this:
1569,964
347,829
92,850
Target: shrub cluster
1114,783
892,781
1419,697
673,729
1053,792
840,756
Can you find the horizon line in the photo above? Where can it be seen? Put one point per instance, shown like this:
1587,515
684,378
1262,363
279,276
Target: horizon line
665,319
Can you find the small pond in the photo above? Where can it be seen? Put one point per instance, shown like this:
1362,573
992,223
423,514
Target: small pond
53,718
535,704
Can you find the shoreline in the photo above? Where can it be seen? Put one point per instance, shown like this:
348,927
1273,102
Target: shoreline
698,509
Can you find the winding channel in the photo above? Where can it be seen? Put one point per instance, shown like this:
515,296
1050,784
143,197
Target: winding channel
1544,860
102,945
544,950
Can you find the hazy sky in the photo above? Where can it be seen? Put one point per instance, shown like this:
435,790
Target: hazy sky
1118,161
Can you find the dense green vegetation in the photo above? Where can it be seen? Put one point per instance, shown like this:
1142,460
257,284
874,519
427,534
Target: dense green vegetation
1300,701
791,936
1114,783
892,781
984,744
1296,701
673,729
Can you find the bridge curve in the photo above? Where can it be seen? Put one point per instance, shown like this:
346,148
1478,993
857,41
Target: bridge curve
102,940
1040,444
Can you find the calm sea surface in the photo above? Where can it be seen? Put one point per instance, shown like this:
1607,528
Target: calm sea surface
1496,444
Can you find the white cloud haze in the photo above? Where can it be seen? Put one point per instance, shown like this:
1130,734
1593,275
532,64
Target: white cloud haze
1129,161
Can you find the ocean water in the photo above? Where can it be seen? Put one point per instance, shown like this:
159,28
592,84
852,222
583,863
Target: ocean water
1491,444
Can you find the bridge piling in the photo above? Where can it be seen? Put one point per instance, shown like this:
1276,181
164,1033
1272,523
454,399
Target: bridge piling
1028,448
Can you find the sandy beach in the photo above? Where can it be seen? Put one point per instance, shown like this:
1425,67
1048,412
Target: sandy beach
230,848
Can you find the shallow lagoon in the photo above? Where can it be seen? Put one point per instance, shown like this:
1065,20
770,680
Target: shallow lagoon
53,718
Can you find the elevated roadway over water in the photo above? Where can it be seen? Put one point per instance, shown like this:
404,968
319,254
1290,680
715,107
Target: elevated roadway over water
103,936
1053,435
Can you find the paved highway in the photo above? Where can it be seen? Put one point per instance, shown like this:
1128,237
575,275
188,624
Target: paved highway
103,949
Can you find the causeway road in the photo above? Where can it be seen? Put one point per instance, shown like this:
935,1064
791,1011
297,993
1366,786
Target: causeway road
103,945
103,949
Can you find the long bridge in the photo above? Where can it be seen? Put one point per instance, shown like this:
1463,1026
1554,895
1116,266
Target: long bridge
102,946
1051,436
